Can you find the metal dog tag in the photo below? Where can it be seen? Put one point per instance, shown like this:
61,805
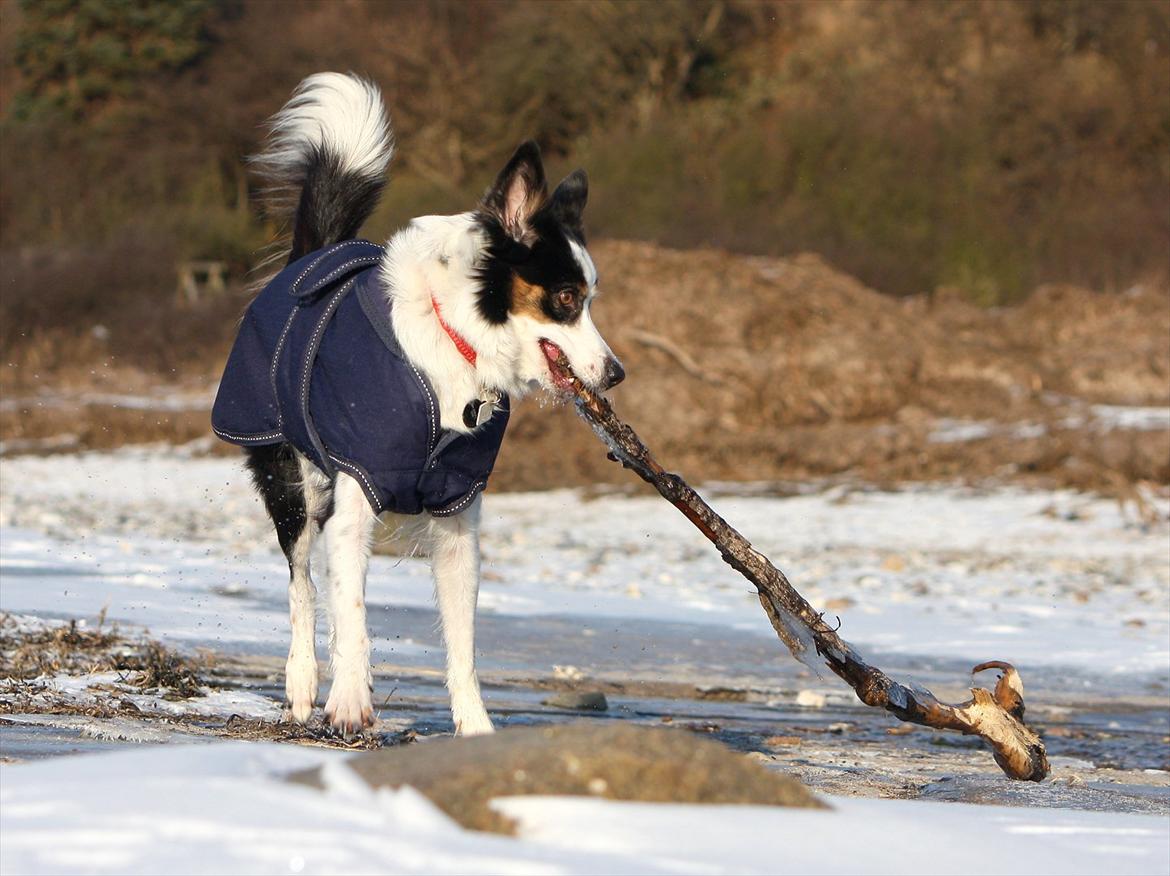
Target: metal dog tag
478,412
486,409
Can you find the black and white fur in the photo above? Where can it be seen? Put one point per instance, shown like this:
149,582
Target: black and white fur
511,276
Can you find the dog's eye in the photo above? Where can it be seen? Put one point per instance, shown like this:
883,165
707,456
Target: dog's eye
566,298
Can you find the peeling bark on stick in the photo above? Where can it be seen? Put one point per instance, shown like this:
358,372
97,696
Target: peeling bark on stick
996,716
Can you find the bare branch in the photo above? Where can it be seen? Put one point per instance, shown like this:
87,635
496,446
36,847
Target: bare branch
996,717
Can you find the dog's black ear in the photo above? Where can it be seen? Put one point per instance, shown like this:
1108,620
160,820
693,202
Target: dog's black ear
519,190
568,201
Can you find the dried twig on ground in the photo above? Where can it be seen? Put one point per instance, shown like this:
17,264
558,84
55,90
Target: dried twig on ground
670,348
996,716
319,735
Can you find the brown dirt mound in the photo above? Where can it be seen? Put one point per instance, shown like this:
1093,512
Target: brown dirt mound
765,368
753,368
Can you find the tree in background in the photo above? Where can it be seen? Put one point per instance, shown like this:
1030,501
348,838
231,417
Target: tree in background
78,56
986,146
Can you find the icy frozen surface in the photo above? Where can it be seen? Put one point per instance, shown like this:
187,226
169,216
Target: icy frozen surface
181,545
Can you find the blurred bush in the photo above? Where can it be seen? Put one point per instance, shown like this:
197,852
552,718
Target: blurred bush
986,147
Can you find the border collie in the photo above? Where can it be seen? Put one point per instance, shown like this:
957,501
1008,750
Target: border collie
369,379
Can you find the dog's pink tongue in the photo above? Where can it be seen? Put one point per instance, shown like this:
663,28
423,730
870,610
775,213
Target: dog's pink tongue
551,350
554,354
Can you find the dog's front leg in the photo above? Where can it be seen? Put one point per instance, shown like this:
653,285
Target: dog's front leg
348,534
454,549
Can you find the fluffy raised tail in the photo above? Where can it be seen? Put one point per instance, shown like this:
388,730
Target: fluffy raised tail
326,157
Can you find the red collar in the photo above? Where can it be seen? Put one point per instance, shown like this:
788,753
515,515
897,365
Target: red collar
460,343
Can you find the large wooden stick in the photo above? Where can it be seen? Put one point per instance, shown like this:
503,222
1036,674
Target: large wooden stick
997,717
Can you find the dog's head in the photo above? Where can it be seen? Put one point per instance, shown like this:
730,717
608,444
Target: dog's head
537,280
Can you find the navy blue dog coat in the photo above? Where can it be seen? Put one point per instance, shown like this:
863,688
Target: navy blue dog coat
316,364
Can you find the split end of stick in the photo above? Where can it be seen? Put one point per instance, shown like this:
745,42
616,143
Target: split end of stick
998,717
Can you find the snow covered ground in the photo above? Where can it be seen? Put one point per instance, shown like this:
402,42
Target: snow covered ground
1072,589
1097,417
180,545
226,809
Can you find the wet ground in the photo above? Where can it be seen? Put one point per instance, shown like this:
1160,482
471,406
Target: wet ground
1109,745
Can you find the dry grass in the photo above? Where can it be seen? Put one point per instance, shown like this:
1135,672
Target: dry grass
72,649
51,650
318,734
32,653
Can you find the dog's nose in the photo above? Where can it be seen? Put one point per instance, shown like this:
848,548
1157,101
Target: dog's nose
614,373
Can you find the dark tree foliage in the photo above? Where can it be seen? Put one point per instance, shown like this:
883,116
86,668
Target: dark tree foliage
77,55
985,146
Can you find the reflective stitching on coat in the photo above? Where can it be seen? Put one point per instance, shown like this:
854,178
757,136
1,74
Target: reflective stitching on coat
297,282
371,493
314,342
275,359
341,269
311,357
466,500
267,436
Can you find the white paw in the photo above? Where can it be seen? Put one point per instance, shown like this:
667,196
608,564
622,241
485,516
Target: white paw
472,722
300,686
349,709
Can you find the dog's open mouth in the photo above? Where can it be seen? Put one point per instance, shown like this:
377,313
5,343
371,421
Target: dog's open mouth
558,363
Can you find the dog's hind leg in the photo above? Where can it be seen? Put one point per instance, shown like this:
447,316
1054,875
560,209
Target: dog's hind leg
454,550
348,537
300,675
300,670
294,501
